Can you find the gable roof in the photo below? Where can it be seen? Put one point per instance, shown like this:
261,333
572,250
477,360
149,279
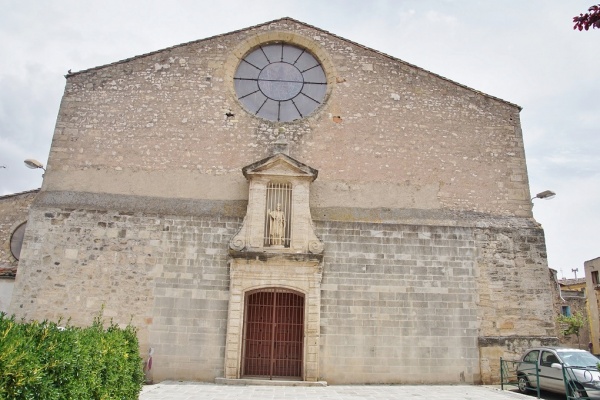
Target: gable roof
308,26
569,282
6,196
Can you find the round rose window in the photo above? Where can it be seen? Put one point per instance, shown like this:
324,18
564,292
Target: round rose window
280,82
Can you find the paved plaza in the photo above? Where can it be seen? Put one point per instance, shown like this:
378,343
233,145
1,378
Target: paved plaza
209,391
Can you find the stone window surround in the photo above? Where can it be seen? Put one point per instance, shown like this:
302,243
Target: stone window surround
10,241
252,274
292,38
279,193
6,245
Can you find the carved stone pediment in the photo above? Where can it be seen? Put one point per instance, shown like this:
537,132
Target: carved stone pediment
278,216
280,165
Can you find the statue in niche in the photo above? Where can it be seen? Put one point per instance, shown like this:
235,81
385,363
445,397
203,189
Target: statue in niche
276,226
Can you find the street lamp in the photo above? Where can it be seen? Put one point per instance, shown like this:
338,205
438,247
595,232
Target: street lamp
34,164
546,195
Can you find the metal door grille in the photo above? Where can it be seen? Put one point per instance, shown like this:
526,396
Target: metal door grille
274,334
278,215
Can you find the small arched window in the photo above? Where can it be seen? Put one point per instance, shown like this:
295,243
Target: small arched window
16,240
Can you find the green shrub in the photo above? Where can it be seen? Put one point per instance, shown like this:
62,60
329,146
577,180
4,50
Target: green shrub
39,360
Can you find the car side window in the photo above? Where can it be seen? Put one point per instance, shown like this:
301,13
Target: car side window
548,358
532,356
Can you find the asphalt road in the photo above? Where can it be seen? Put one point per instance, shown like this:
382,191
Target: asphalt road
544,395
550,396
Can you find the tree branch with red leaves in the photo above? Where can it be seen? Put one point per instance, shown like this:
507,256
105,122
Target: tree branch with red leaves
588,20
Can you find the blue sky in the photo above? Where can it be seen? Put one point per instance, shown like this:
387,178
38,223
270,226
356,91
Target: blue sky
525,52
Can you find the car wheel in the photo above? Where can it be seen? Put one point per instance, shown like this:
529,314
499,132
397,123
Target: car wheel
523,384
576,391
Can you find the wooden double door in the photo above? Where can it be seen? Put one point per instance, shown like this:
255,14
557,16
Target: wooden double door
273,334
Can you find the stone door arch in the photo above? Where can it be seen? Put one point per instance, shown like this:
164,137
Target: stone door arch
273,334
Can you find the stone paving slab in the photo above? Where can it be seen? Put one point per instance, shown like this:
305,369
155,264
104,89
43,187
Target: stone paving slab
207,391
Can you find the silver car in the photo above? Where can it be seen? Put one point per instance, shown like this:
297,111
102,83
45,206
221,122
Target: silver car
580,368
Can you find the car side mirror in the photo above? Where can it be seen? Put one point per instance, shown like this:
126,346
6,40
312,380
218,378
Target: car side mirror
556,365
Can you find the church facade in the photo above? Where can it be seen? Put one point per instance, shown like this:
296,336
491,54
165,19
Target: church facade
280,202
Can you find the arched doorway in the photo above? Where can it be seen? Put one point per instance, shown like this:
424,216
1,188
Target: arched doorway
273,334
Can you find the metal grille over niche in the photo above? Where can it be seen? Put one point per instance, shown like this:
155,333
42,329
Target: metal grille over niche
278,215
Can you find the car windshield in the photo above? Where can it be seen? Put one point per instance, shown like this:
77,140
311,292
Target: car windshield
578,359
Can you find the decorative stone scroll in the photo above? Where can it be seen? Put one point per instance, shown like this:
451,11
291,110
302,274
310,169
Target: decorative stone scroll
278,215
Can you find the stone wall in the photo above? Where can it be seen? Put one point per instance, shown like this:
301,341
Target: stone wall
514,282
577,304
509,348
571,293
399,304
433,266
593,293
167,275
6,289
390,135
399,300
191,296
77,262
516,293
13,213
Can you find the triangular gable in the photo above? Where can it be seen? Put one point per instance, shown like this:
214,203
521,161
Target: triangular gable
292,20
69,74
280,164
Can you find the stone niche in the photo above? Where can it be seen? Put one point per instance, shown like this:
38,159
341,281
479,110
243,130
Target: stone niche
275,255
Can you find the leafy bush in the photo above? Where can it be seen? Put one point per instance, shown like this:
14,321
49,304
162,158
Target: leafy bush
572,324
40,360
